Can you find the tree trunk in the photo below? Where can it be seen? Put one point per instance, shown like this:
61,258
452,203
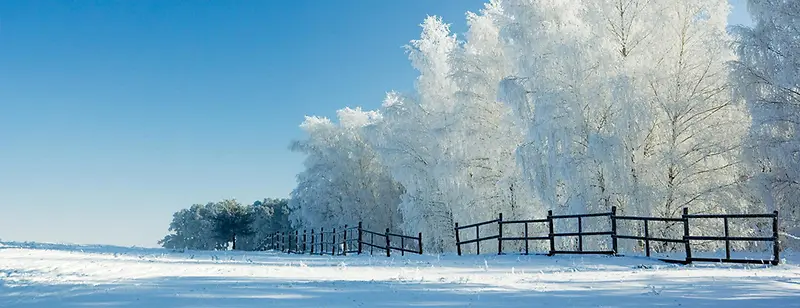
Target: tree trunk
234,241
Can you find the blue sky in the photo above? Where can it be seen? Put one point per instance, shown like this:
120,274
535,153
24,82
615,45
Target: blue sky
115,114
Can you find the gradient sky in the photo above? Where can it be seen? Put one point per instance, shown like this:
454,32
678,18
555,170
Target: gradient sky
115,114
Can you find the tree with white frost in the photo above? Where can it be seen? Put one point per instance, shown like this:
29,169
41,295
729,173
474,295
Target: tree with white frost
550,70
450,144
767,76
413,141
266,217
489,134
630,104
227,223
684,129
193,228
343,182
231,222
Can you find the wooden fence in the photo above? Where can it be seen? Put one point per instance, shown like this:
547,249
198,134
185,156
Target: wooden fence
728,239
478,239
614,236
345,241
647,237
580,234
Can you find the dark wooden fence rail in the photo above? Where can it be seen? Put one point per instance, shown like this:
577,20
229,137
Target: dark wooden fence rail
323,242
404,239
728,239
647,238
525,236
350,240
372,245
615,236
346,240
478,239
580,234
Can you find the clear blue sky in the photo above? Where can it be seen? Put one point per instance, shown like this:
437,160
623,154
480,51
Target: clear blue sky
115,114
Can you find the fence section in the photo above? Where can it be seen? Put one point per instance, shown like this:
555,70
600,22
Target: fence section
580,234
647,237
727,238
614,236
345,241
526,236
405,240
478,239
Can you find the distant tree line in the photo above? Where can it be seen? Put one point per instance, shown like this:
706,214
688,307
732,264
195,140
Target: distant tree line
227,224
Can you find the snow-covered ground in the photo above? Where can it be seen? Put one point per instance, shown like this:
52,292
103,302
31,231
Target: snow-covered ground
52,275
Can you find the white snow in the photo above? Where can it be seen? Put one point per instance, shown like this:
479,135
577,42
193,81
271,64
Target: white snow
53,275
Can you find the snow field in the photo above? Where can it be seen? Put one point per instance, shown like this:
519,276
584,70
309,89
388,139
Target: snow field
40,275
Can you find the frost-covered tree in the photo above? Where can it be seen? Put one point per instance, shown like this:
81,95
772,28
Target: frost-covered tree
549,41
343,183
413,138
450,143
488,133
630,104
698,126
231,221
219,225
558,89
767,75
193,228
267,217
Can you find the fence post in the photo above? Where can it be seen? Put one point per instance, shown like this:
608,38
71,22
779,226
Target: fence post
402,246
321,241
646,239
283,241
775,244
526,238
500,235
388,244
614,229
478,239
727,240
359,238
344,241
580,234
312,242
304,241
551,233
419,239
333,243
458,242
686,235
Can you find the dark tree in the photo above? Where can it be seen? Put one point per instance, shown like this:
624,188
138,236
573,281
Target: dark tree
232,220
